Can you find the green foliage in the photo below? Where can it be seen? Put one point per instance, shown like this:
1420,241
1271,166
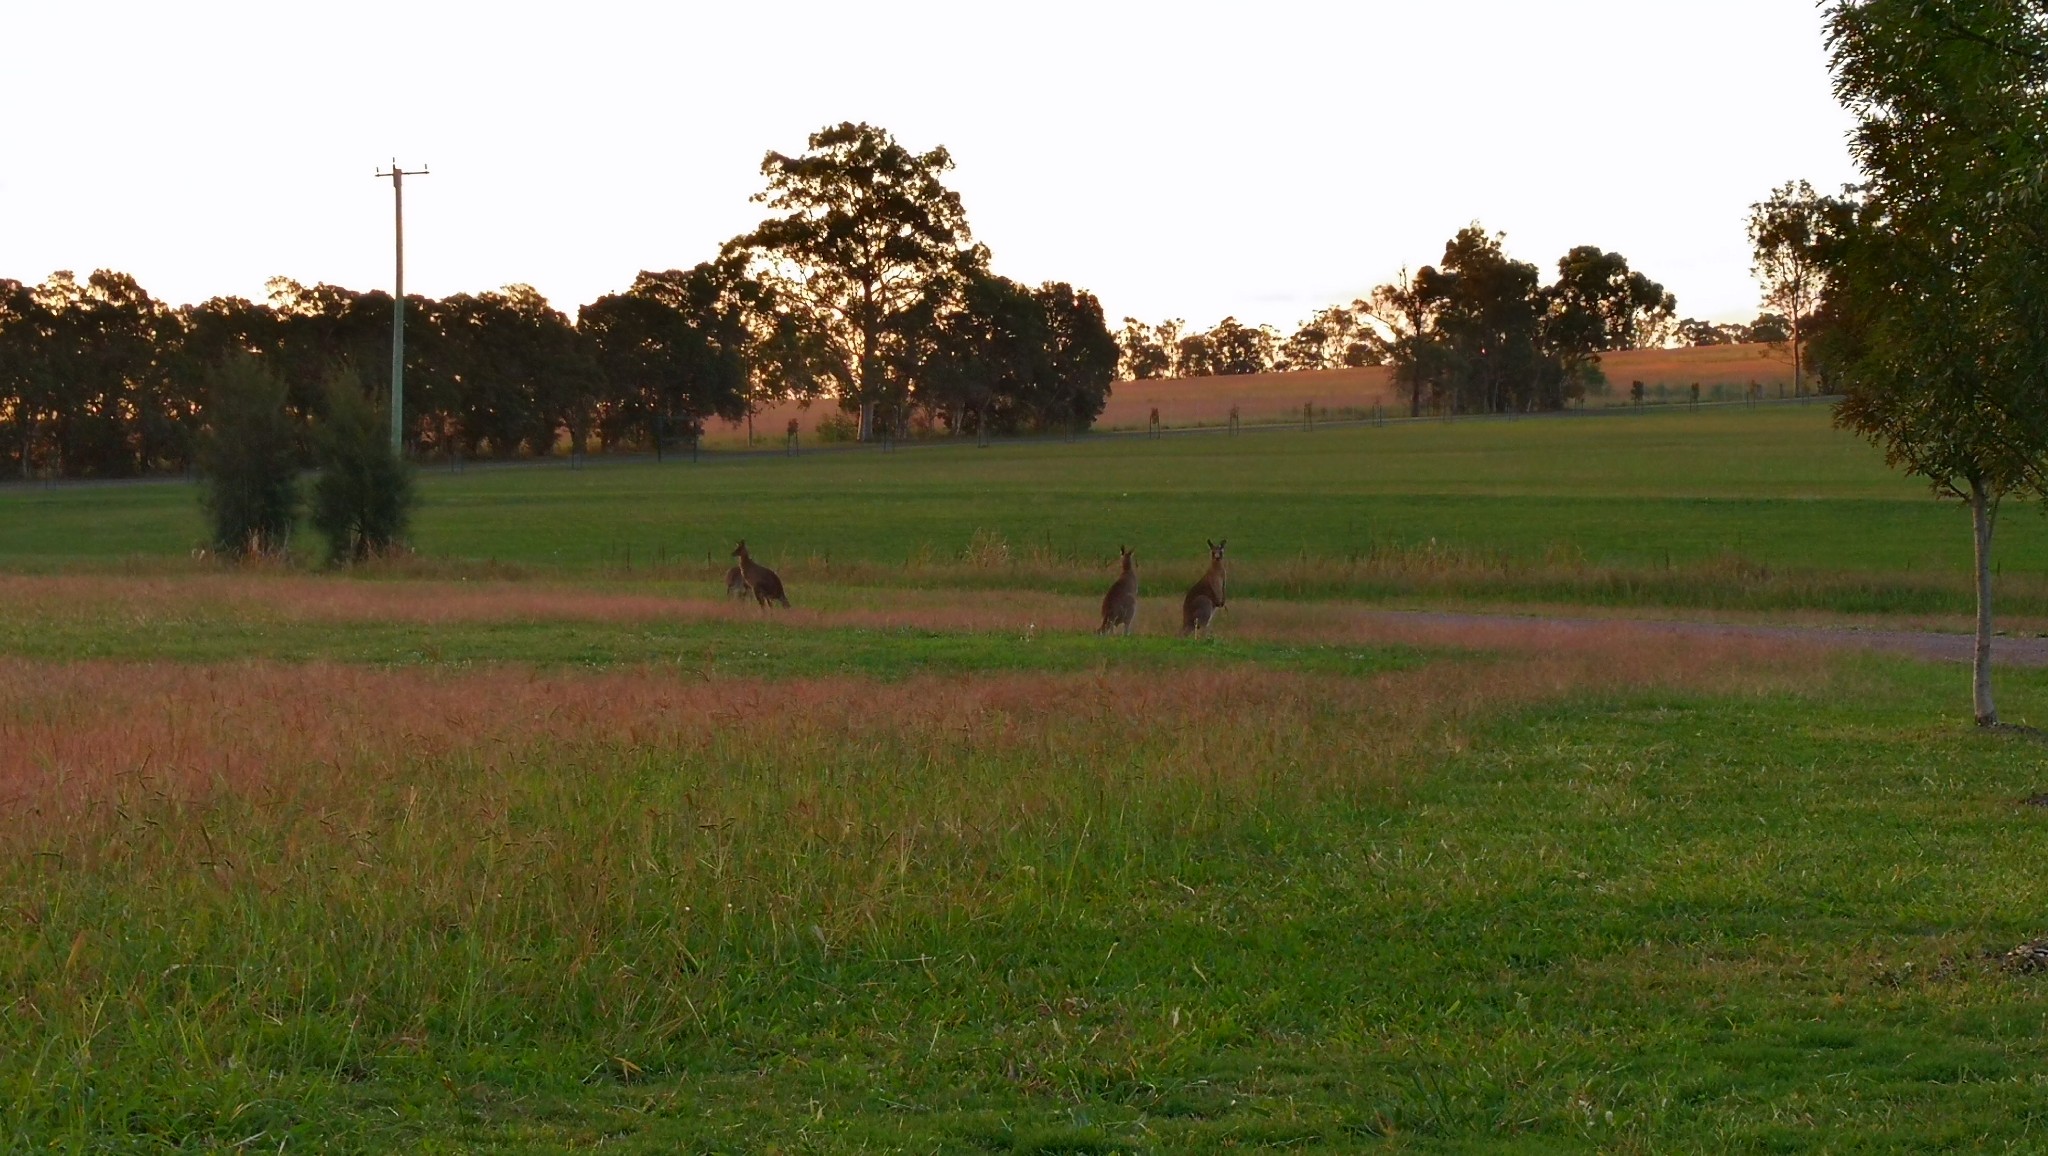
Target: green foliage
1009,359
1146,351
869,234
363,498
680,346
1232,348
838,428
1334,338
1787,233
86,382
1489,321
249,460
507,367
1480,333
1598,303
1937,283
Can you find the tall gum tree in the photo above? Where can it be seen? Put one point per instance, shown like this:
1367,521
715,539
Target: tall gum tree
1935,320
865,228
1786,230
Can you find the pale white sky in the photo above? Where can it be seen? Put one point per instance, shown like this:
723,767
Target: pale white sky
1179,159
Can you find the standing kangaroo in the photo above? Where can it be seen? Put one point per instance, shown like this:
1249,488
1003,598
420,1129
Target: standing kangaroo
735,583
759,579
1205,597
1120,605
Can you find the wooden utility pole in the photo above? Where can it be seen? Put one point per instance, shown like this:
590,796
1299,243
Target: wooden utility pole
398,176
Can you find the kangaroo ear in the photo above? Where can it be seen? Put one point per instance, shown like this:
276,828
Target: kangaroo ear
1212,545
1223,543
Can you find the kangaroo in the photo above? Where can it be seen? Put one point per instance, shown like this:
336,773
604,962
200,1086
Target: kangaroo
759,579
1205,597
735,583
1120,605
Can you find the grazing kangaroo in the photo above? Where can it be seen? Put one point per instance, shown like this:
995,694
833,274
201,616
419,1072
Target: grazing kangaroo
735,583
1205,597
759,579
1120,605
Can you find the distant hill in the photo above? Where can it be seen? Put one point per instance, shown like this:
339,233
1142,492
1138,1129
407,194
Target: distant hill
1267,397
1342,392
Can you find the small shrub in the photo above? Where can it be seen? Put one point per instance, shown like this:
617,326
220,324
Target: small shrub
838,427
364,496
248,461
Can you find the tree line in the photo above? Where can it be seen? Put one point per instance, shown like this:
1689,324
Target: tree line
864,288
1477,332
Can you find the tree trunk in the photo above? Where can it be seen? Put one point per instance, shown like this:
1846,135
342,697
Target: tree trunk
1983,509
1798,383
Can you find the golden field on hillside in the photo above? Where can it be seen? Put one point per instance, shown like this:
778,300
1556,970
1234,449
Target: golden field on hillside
1273,397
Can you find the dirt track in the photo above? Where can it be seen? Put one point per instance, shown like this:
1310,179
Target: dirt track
2005,651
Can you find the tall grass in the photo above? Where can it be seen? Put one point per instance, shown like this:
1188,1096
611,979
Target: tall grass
251,900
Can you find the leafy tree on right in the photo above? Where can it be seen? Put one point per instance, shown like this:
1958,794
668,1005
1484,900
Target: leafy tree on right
1934,319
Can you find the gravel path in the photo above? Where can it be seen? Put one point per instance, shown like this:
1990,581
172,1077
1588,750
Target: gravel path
1918,644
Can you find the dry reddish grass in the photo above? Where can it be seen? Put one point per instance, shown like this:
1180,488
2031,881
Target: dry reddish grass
1260,397
75,735
1730,365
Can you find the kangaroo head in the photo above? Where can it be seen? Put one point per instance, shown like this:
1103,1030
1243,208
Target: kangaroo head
1216,549
740,551
1125,556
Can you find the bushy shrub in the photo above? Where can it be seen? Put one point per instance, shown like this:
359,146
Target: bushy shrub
838,427
364,496
248,460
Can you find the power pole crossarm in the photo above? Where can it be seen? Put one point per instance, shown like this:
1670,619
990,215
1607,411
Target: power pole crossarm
398,176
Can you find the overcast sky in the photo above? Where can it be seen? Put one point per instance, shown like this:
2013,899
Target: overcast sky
1179,159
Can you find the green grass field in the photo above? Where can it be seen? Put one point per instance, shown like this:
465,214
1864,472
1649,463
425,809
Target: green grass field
556,855
1768,509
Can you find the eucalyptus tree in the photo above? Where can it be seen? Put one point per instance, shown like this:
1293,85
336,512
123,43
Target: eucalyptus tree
1333,338
1601,303
1405,312
504,368
864,228
1936,306
1081,356
1786,232
672,346
988,351
109,410
1232,348
1145,351
26,381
